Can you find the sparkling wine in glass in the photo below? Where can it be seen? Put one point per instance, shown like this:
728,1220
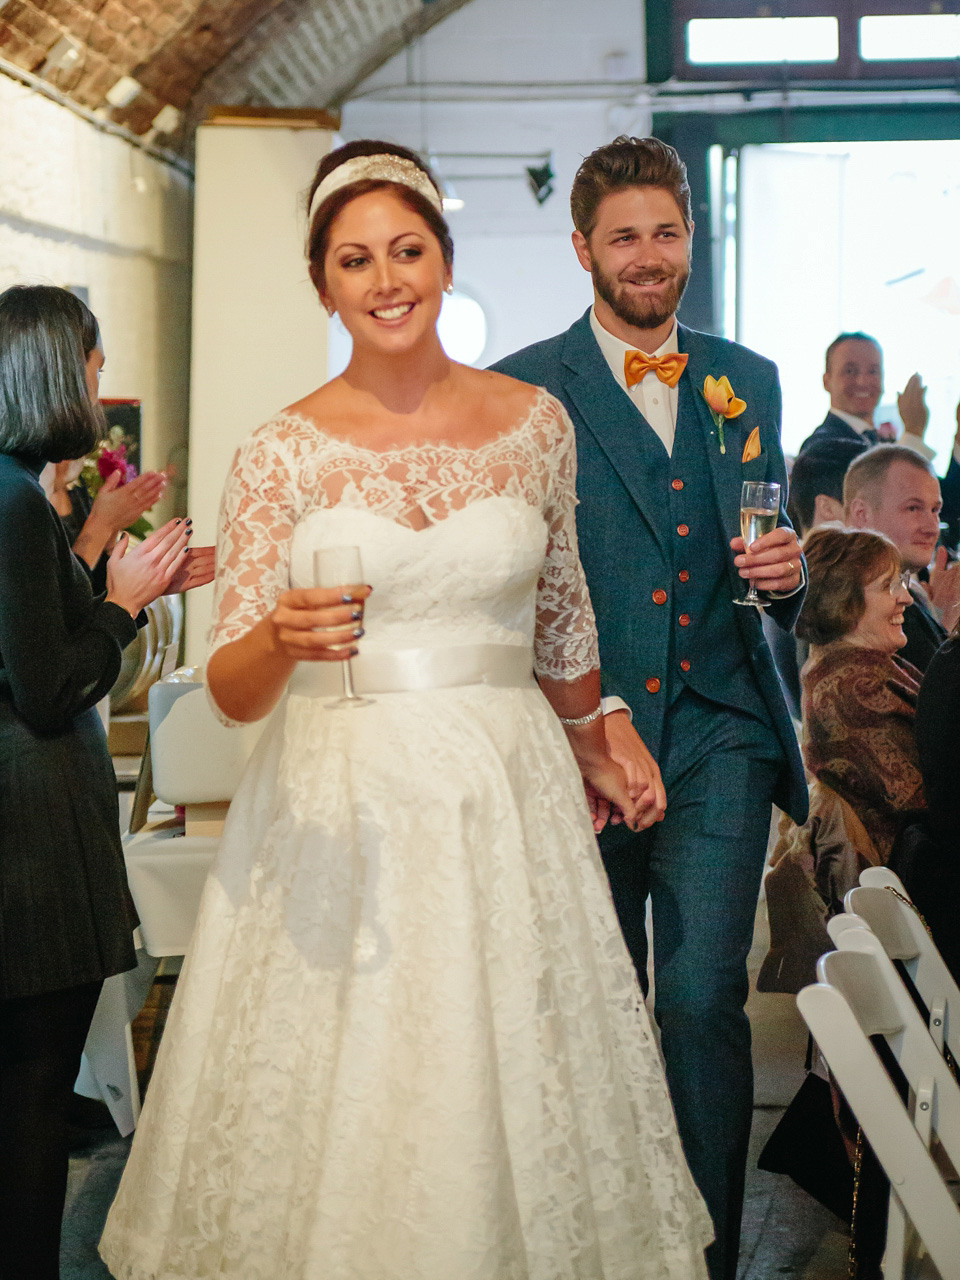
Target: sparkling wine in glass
340,567
759,511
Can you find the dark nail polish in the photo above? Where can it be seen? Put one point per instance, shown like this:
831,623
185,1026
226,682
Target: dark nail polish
358,632
179,521
347,599
356,615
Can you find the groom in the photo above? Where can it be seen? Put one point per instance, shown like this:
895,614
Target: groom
669,424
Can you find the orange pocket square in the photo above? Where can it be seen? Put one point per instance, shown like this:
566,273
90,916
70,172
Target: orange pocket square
752,448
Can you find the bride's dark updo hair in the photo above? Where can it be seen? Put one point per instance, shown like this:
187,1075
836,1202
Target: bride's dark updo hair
318,236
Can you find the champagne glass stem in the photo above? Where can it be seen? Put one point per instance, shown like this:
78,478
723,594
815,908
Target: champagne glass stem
347,672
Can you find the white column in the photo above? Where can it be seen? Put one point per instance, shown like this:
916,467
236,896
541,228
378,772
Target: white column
259,333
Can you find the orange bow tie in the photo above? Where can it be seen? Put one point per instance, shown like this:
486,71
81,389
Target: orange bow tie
668,368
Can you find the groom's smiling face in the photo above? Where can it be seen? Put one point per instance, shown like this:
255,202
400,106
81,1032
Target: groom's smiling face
638,253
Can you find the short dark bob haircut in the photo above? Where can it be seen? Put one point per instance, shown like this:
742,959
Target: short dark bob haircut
46,414
318,236
840,563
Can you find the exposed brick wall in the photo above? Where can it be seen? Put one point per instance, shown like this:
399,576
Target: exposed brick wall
191,52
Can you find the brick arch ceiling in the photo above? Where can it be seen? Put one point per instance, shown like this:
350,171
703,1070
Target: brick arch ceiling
191,53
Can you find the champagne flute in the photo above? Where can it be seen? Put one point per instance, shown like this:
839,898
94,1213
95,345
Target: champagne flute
759,511
340,567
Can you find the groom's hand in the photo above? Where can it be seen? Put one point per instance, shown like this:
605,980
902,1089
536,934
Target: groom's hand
644,783
773,563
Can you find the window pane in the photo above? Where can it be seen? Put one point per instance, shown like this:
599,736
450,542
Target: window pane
896,39
741,40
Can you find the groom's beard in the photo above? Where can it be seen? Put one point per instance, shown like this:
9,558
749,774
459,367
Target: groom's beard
632,309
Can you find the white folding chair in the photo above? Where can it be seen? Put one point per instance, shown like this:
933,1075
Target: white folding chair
882,878
904,938
860,994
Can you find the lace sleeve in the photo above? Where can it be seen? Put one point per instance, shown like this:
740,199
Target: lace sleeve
258,511
565,641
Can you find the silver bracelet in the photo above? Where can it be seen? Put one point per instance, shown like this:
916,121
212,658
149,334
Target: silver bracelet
575,721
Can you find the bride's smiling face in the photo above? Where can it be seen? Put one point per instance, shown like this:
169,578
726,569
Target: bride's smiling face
384,273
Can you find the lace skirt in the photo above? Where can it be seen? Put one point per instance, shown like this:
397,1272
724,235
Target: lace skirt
408,1042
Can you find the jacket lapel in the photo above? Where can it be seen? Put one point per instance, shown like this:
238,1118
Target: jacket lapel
725,468
612,419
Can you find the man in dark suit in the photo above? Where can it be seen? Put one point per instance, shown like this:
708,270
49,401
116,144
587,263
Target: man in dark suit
853,379
660,472
893,490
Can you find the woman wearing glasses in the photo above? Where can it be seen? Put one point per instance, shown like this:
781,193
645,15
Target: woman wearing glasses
859,696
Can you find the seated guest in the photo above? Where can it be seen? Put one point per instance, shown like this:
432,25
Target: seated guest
816,482
859,697
893,490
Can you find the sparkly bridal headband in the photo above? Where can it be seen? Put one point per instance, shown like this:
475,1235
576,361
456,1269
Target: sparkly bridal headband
382,168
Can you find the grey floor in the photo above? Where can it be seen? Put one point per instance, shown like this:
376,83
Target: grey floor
785,1233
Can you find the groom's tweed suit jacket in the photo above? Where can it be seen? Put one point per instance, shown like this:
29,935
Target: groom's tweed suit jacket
654,534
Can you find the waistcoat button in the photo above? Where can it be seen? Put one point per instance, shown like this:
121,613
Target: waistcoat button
676,484
683,530
660,596
684,575
653,685
685,665
684,619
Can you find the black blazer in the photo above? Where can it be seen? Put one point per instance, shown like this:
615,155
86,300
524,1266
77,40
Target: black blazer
66,916
834,428
924,633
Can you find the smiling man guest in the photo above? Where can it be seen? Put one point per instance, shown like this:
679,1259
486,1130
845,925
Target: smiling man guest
669,424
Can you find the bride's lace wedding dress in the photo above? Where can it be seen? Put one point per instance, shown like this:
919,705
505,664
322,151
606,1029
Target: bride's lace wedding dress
408,1042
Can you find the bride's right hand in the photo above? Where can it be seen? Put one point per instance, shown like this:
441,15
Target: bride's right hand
319,624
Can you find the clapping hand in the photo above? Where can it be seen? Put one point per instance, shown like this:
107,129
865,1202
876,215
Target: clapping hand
912,406
943,588
196,570
137,575
118,506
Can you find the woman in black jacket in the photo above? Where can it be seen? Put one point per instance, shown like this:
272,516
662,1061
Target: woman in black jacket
66,917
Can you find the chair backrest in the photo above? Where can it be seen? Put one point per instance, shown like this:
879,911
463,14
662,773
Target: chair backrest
196,759
860,994
882,878
904,938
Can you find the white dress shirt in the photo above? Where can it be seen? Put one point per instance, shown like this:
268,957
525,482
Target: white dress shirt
654,399
908,440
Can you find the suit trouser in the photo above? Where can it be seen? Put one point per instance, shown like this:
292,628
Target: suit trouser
701,868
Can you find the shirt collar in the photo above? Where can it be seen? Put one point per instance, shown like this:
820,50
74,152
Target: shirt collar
860,425
614,349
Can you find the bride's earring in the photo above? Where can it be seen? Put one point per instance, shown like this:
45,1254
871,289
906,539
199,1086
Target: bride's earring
448,289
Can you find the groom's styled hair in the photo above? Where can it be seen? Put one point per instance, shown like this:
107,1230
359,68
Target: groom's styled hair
623,163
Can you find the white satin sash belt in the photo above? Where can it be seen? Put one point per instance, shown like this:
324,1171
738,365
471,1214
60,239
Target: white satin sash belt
405,670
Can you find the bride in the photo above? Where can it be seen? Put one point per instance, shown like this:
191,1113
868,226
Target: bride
408,1042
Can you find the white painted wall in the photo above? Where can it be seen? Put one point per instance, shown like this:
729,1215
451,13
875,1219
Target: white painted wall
80,207
259,332
527,76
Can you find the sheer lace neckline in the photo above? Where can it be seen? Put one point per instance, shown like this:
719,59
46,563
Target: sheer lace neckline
420,446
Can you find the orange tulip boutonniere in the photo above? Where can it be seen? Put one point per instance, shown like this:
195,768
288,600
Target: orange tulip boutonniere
722,404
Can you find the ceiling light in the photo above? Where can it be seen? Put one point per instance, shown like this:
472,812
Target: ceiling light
540,181
167,119
123,92
64,55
